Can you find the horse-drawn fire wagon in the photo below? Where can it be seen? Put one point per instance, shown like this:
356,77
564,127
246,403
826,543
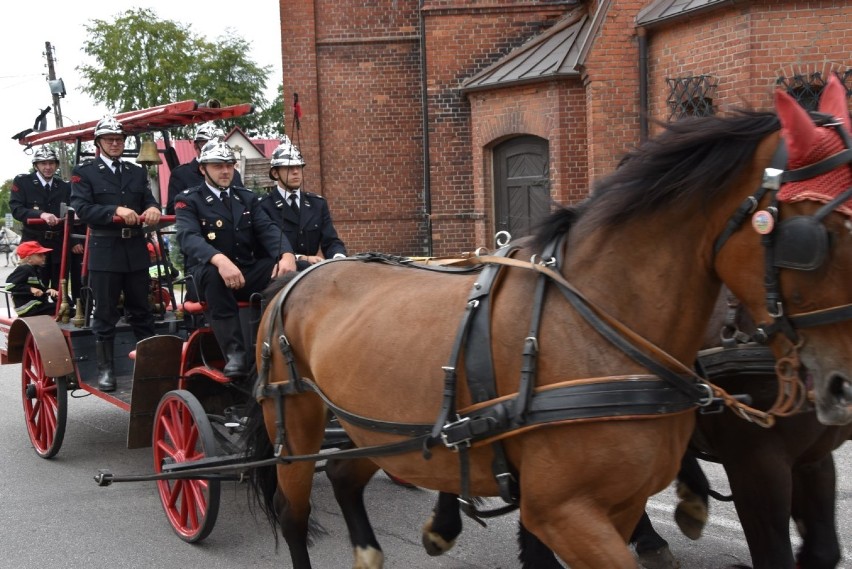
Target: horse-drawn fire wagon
172,385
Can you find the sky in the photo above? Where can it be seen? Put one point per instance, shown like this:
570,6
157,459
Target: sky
24,90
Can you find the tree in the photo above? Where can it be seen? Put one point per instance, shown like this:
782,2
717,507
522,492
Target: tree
5,190
142,61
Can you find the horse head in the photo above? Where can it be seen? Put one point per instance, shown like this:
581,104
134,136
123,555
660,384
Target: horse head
801,233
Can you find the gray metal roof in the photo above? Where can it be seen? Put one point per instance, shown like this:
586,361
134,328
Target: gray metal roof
661,10
552,54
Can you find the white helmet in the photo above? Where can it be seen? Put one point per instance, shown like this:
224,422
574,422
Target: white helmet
108,125
45,154
285,155
208,131
217,151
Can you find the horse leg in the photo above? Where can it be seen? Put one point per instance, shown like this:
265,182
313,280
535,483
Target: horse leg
440,532
814,512
348,480
305,420
762,486
651,549
692,489
535,554
581,533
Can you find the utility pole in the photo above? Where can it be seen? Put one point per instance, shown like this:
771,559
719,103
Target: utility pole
57,110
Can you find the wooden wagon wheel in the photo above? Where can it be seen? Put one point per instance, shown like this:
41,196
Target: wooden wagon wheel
45,402
182,433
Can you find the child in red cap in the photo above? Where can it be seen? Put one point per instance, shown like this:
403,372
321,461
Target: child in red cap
30,295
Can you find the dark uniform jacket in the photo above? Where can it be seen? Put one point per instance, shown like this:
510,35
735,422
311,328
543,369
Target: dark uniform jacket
205,227
29,199
96,193
19,283
312,231
188,176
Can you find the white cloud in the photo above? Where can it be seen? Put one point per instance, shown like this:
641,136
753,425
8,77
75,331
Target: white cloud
24,91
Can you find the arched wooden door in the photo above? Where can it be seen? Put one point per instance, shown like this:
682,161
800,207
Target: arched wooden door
521,184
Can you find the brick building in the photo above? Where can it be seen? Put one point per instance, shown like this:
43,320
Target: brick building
431,124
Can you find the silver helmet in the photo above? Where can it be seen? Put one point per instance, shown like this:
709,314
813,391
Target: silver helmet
208,131
45,154
217,151
286,155
108,125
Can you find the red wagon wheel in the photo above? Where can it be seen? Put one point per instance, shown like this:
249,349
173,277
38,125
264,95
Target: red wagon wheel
183,433
45,402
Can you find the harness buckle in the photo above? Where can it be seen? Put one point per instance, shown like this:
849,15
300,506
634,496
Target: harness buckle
455,444
772,178
707,399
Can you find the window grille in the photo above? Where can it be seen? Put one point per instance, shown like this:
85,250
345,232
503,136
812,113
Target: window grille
691,96
806,88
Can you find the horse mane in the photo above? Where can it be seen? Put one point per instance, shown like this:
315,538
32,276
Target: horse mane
694,155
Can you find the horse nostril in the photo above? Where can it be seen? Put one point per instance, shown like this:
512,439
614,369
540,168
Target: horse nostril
840,387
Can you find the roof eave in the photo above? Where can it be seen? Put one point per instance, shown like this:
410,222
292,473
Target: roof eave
519,82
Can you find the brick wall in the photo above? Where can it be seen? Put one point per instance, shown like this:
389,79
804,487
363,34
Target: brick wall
357,68
554,111
454,53
747,47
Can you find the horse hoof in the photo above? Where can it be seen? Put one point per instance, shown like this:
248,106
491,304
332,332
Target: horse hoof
433,543
690,513
661,558
368,558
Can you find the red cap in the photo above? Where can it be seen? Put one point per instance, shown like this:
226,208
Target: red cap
28,248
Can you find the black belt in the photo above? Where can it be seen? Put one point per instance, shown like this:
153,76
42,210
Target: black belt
49,234
124,232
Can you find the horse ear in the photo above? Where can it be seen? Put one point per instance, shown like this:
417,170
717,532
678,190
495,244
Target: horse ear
798,129
832,101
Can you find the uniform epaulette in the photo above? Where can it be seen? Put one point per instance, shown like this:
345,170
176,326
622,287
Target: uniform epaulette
313,195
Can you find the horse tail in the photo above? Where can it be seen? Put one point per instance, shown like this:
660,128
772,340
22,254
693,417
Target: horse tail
262,481
262,484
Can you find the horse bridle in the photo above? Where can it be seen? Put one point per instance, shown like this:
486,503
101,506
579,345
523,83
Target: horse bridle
799,243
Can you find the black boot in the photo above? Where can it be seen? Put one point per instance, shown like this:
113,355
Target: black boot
103,350
229,335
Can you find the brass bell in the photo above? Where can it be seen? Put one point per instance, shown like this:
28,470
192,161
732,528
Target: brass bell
148,154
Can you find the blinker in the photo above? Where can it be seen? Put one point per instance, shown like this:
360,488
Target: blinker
801,243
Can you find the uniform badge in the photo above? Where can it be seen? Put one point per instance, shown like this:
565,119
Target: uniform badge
219,223
35,207
763,222
211,236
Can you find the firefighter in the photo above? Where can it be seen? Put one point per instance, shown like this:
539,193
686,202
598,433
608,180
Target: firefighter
189,175
304,217
39,195
221,228
103,188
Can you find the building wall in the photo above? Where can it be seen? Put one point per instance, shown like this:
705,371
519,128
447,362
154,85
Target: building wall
358,69
359,74
747,47
462,38
553,110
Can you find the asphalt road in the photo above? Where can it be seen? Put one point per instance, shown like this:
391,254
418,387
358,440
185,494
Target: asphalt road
52,514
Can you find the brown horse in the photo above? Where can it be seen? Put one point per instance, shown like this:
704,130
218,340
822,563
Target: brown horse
598,434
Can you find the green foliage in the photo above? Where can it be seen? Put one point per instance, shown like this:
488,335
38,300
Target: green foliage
142,61
5,190
272,117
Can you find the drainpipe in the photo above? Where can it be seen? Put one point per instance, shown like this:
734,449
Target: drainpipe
643,84
424,94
